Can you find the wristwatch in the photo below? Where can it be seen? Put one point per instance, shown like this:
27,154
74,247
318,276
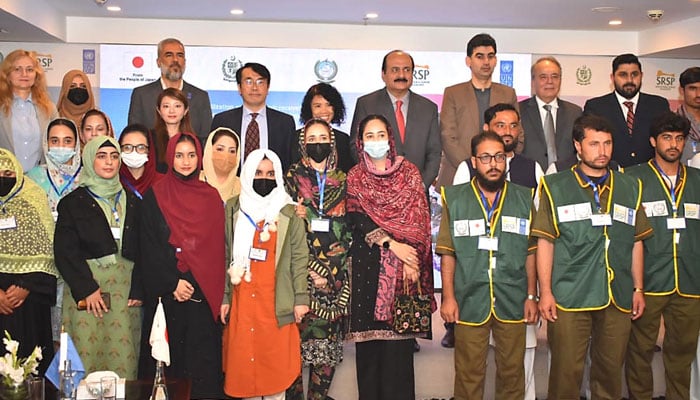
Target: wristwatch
533,297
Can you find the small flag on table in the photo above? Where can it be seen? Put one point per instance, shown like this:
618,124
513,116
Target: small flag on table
160,349
67,351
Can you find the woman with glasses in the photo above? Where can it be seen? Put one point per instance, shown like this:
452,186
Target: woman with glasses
172,117
94,244
138,171
388,215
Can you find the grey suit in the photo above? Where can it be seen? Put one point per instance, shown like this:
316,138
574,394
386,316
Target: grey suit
6,138
533,131
422,146
142,108
459,122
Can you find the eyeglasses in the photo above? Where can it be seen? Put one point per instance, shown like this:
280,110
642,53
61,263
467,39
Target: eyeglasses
256,82
129,148
486,158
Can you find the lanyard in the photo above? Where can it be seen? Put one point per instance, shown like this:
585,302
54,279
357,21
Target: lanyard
489,209
115,213
257,228
321,189
132,188
3,203
594,186
672,186
68,184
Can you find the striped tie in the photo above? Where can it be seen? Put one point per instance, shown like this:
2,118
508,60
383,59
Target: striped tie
630,115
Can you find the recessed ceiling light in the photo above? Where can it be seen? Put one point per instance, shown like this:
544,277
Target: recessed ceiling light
237,11
114,8
605,9
615,22
371,15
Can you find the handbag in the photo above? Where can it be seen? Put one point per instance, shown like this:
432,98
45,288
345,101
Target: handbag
412,313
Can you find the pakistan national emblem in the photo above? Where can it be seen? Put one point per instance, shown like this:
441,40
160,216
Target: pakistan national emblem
583,75
326,70
229,68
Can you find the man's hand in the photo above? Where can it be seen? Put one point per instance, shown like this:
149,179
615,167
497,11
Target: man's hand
449,311
548,307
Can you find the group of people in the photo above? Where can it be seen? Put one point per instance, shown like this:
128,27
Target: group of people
264,271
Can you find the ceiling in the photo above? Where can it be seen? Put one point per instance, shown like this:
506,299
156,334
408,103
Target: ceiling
526,14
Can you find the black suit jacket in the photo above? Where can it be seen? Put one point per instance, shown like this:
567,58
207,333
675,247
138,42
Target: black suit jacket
142,108
629,149
533,131
281,136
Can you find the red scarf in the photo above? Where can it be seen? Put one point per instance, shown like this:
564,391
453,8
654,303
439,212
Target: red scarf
150,175
195,215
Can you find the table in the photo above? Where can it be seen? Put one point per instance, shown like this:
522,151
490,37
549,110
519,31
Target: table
178,389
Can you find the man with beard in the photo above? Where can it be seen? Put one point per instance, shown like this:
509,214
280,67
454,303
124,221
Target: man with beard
690,108
671,200
413,118
590,262
488,271
171,61
629,111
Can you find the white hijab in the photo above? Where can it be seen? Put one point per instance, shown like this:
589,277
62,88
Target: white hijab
258,208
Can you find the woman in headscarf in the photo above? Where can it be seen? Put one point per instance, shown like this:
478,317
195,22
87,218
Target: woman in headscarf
95,123
93,245
182,234
25,107
76,97
220,165
390,222
319,188
27,272
267,276
138,171
58,177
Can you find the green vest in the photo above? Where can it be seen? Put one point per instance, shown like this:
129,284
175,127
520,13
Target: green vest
482,289
587,274
671,266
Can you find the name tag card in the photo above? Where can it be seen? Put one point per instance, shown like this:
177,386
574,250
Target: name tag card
320,225
675,223
8,223
257,254
601,220
116,232
488,243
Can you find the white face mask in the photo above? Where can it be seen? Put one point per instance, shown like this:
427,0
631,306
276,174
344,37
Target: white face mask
377,149
134,159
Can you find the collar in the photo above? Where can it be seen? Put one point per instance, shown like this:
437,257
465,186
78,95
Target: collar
584,184
404,99
621,99
540,103
164,86
18,99
261,113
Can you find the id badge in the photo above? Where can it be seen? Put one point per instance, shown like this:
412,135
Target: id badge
257,254
675,223
601,220
488,243
54,214
116,232
320,225
8,223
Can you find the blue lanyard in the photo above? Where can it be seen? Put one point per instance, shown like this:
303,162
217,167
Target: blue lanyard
594,185
132,188
68,184
115,213
489,209
672,188
321,189
257,228
3,203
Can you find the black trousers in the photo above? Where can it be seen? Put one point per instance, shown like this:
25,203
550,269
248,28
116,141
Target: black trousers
385,370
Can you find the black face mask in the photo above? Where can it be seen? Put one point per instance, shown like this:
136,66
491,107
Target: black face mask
318,151
263,186
6,184
78,95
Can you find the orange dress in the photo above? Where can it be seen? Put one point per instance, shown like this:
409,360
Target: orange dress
260,358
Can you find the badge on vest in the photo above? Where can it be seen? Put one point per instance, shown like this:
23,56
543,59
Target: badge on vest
601,220
257,254
624,214
574,212
675,223
488,243
519,226
116,232
469,227
692,211
320,225
655,208
8,223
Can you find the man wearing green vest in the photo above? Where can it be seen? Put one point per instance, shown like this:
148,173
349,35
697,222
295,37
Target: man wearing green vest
590,226
671,200
488,271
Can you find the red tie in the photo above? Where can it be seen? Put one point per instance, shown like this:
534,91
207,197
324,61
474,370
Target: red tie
400,121
630,115
252,136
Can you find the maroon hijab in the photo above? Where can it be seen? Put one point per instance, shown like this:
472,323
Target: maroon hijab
195,215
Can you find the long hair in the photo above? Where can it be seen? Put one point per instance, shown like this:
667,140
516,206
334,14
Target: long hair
161,130
40,94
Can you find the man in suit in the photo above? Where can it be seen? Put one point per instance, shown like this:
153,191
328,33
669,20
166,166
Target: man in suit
413,118
171,61
545,112
260,126
463,105
690,108
629,111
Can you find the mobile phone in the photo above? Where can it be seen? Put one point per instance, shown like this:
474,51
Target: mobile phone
106,298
